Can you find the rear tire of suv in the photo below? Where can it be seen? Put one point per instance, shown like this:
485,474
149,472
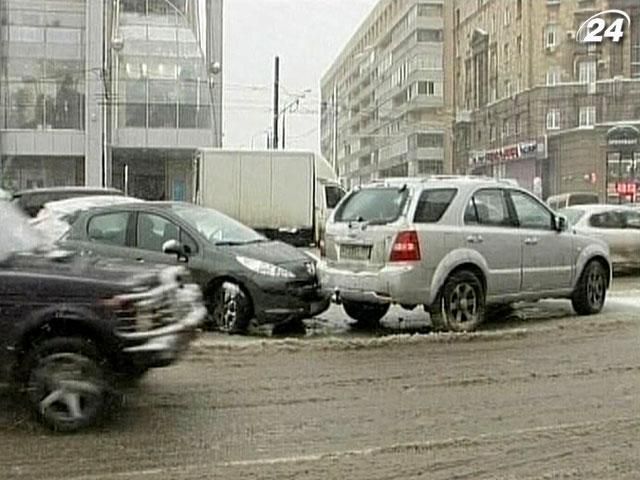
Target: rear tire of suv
591,291
67,383
366,315
461,304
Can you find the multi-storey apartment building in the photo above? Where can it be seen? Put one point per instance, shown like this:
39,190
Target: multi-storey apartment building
117,93
535,103
383,100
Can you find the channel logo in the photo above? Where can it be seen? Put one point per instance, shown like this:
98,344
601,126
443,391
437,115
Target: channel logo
596,29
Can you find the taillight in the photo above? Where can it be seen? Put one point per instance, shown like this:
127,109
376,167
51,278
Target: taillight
406,247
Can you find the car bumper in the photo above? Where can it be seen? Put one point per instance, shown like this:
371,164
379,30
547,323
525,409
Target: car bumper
282,303
163,346
390,284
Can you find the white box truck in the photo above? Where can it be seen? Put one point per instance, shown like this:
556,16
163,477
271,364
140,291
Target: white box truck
285,195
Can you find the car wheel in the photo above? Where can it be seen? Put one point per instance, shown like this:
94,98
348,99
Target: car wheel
230,308
67,383
461,304
366,315
591,291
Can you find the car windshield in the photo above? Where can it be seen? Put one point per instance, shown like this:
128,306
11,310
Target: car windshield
572,215
583,199
17,235
373,205
217,227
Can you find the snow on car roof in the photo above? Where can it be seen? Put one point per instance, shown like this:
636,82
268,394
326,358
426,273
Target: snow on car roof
71,205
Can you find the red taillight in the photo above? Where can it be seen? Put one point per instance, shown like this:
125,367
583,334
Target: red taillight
406,248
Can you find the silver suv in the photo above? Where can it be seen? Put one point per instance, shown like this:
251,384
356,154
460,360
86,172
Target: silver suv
455,245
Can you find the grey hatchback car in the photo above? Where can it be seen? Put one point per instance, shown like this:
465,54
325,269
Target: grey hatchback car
243,275
455,245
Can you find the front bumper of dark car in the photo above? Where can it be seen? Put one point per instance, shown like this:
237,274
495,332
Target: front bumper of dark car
281,301
163,346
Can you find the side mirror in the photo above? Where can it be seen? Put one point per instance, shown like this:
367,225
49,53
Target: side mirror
560,223
173,247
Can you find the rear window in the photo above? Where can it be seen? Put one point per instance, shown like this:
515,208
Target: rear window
373,205
583,199
616,219
334,195
433,204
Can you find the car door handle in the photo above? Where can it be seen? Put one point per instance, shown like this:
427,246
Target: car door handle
475,239
531,241
140,260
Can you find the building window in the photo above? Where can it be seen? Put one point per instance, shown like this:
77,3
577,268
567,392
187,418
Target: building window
507,16
429,35
587,116
519,44
507,88
427,88
492,132
426,140
550,37
506,53
553,119
519,9
587,72
429,10
553,76
518,125
506,128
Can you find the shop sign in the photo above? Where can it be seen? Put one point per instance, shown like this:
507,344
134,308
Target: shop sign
628,188
498,155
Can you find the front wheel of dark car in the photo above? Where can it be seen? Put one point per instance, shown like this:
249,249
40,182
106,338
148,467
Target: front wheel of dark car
230,308
461,304
67,383
366,315
591,291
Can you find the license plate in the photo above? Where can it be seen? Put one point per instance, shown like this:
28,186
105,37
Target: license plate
355,252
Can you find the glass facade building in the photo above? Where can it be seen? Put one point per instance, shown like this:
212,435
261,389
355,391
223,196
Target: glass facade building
91,89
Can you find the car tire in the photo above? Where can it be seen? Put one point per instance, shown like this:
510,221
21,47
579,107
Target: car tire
461,304
67,383
591,291
230,308
366,315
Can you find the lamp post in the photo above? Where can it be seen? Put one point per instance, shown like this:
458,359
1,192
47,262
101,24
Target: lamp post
291,107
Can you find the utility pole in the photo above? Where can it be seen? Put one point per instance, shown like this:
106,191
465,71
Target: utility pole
335,127
276,101
284,123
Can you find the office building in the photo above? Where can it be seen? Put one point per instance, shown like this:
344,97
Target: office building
535,103
383,108
117,93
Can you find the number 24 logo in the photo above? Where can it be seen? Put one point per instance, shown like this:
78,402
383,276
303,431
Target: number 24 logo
595,26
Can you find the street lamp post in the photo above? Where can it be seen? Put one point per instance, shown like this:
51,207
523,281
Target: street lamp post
291,107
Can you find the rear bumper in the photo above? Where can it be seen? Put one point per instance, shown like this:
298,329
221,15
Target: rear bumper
390,284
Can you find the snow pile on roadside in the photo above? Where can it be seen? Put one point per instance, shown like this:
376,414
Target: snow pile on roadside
344,343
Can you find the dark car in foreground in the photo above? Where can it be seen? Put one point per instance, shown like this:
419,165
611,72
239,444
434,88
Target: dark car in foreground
74,329
31,201
243,275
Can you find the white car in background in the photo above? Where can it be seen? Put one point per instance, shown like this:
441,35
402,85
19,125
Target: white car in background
55,218
618,225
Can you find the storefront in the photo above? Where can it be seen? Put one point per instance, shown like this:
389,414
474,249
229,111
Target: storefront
623,164
522,162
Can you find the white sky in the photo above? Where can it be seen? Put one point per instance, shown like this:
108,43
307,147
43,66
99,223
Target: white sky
307,35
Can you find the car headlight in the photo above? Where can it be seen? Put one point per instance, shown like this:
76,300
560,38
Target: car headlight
264,268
